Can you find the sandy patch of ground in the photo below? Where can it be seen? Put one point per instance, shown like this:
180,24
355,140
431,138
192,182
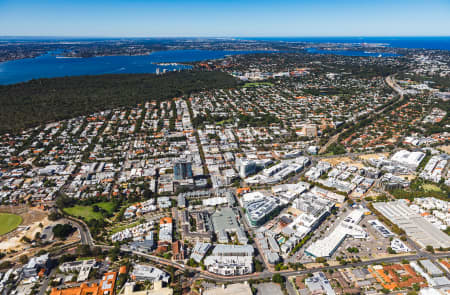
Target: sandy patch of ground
293,211
14,247
12,241
333,263
34,221
445,148
385,255
313,265
391,140
337,160
374,156
355,195
410,177
346,160
372,194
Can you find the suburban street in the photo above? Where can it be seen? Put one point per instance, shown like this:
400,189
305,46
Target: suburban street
267,273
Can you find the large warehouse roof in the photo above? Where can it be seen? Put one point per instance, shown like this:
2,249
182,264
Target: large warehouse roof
415,226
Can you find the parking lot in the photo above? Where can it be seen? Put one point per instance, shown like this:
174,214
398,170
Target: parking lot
374,246
323,230
268,289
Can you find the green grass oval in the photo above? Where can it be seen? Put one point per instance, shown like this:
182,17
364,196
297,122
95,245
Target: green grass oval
9,222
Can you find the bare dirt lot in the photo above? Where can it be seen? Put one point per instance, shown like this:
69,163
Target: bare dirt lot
28,214
445,148
34,221
268,289
374,156
30,225
346,160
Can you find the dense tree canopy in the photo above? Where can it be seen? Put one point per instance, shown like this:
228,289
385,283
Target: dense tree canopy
46,100
62,231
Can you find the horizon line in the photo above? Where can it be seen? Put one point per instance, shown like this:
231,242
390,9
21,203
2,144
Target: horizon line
227,37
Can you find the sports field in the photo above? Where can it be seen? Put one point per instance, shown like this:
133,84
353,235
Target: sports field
87,212
431,187
9,222
257,84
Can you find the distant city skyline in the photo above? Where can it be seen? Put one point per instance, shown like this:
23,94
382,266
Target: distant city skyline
247,18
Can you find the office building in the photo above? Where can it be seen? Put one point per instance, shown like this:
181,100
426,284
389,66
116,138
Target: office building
319,284
408,159
149,273
224,222
182,169
230,260
245,167
348,227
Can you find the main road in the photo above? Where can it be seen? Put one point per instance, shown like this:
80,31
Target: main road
390,81
87,239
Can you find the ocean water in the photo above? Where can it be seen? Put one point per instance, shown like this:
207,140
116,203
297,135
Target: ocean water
351,52
440,43
54,65
51,65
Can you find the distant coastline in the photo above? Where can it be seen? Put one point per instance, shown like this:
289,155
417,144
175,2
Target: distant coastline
432,42
60,62
53,65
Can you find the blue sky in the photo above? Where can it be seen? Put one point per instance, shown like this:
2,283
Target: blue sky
140,18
